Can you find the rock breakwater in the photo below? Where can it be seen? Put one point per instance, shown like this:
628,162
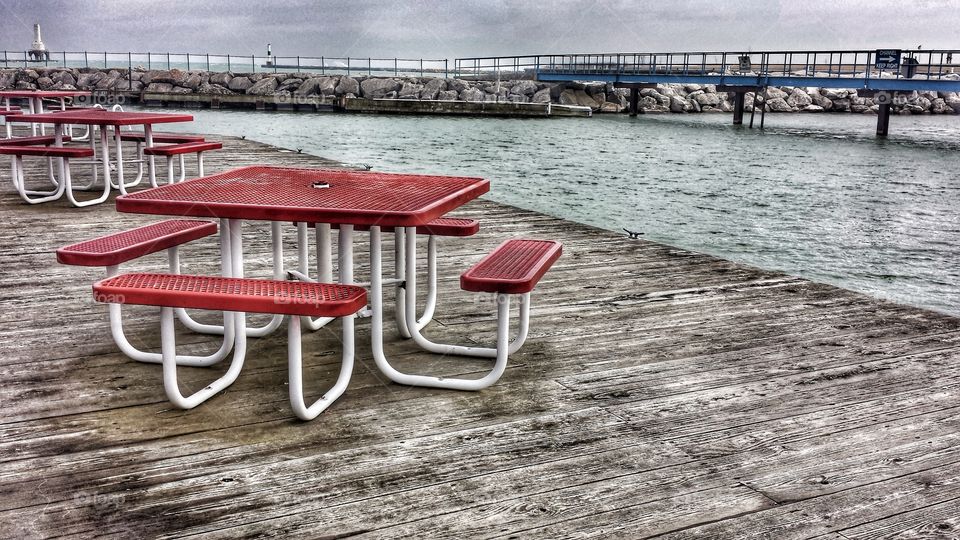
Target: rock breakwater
600,97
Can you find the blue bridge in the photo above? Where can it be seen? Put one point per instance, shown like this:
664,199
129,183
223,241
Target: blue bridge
873,73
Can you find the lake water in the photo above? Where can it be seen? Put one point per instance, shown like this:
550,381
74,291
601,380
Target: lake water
812,195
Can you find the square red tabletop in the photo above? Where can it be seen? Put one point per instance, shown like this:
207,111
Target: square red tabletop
102,117
43,93
310,195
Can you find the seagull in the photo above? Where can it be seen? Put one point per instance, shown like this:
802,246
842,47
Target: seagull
633,234
299,150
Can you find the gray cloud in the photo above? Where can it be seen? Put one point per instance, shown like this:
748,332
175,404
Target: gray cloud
448,29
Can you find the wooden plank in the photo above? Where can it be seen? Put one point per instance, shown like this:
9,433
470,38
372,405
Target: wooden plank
661,390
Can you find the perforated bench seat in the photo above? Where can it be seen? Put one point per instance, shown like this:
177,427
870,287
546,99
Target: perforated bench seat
46,151
514,267
163,138
443,226
185,148
29,141
128,245
232,294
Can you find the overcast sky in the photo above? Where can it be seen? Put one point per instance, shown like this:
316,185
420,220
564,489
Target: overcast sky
450,29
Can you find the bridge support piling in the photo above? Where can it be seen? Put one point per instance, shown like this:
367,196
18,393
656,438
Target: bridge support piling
883,120
634,101
739,98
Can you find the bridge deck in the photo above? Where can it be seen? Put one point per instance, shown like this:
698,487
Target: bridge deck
661,391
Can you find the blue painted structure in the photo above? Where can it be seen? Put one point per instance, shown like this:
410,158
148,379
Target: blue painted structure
932,70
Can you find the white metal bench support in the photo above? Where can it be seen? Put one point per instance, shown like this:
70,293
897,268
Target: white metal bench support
501,352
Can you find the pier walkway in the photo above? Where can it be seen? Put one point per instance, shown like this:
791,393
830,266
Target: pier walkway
873,73
661,392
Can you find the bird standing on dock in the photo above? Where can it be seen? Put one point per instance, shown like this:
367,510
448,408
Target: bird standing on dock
632,234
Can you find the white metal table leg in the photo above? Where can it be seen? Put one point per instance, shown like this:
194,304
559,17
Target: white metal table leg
400,262
324,265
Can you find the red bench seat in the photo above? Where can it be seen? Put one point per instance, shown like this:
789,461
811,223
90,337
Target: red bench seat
514,267
162,138
128,245
185,148
46,151
38,139
232,294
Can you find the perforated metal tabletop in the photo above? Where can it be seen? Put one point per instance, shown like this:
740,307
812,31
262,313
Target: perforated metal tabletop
43,93
101,117
310,195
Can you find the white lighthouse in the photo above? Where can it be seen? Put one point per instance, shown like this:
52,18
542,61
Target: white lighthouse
38,51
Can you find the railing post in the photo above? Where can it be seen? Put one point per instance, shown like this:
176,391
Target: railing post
86,60
298,63
208,62
148,61
446,69
253,63
421,67
25,60
129,71
168,61
188,61
65,57
104,59
369,71
395,71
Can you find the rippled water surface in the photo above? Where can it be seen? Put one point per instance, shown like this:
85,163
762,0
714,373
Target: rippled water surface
813,195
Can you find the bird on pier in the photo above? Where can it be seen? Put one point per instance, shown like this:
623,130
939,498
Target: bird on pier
633,234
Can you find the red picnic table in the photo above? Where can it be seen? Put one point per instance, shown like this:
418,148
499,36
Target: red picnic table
104,119
345,198
35,100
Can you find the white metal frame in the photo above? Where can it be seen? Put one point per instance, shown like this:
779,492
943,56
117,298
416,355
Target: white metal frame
236,339
501,352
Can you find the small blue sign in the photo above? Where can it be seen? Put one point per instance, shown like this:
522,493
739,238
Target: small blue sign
888,59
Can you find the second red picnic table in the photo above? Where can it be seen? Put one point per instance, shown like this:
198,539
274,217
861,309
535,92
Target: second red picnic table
35,100
105,119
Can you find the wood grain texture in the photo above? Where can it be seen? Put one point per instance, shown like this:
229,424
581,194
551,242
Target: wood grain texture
661,392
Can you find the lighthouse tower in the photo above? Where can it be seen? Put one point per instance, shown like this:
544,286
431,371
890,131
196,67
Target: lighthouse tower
38,51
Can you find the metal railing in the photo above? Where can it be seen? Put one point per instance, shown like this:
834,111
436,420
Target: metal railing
916,64
230,62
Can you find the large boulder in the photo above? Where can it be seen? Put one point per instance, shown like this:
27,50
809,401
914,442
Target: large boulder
409,90
471,94
173,76
123,85
812,109
239,84
711,100
214,89
448,95
193,81
60,77
541,96
678,104
160,87
433,88
779,105
524,88
221,79
375,88
263,87
347,85
568,97
45,83
328,86
88,81
457,85
775,93
309,87
799,98
939,106
8,79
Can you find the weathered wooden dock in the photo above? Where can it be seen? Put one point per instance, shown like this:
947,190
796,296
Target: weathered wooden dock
662,392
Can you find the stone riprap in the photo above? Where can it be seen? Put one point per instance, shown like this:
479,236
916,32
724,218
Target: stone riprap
601,97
